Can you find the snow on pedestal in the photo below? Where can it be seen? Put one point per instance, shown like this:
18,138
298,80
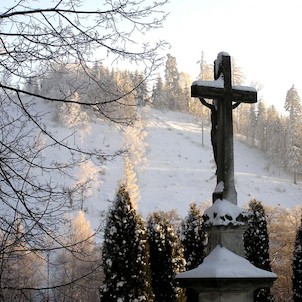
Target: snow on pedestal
226,224
223,213
222,263
225,276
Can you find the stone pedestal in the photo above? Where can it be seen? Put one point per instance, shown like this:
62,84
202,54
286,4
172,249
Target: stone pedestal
230,237
225,277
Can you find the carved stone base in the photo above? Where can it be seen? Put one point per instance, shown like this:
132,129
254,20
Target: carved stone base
228,237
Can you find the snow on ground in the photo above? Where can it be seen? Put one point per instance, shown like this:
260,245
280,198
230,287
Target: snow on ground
179,169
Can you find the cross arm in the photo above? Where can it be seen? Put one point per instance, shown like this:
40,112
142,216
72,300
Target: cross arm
207,89
244,94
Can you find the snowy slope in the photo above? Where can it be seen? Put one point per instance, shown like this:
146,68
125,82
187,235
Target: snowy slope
178,169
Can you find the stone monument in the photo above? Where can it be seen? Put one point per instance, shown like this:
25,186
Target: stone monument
225,275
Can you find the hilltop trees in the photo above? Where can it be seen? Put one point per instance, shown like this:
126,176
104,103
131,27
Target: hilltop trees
171,94
125,254
277,135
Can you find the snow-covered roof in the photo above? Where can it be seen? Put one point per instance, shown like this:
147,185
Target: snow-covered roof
222,263
223,212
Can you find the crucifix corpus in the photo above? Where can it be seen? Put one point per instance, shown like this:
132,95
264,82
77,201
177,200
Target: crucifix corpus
225,98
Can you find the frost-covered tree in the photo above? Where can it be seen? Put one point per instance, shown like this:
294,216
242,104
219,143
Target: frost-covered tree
125,254
134,141
252,122
78,266
205,69
256,244
72,114
22,269
142,91
282,225
166,258
275,136
238,76
297,266
293,103
86,182
260,132
294,129
295,159
130,180
126,93
173,90
241,122
159,99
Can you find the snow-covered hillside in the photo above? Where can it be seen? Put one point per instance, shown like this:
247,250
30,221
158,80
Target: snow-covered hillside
179,170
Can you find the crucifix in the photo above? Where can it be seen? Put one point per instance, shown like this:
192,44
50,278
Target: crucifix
225,98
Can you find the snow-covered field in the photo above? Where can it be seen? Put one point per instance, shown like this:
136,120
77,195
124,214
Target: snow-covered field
179,170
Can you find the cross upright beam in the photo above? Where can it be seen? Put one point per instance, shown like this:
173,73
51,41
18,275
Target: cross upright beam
223,94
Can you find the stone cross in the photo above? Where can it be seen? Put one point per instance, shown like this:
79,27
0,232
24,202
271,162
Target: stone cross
225,98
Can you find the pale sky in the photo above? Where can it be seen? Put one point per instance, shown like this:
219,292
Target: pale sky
263,36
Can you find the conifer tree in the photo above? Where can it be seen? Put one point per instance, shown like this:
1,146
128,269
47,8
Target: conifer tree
256,244
142,92
297,266
260,134
125,254
173,90
206,70
158,96
293,138
252,122
193,239
275,136
166,258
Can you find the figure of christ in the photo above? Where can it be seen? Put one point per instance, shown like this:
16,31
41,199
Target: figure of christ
214,123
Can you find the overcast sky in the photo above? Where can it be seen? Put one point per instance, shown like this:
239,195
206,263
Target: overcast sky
264,37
